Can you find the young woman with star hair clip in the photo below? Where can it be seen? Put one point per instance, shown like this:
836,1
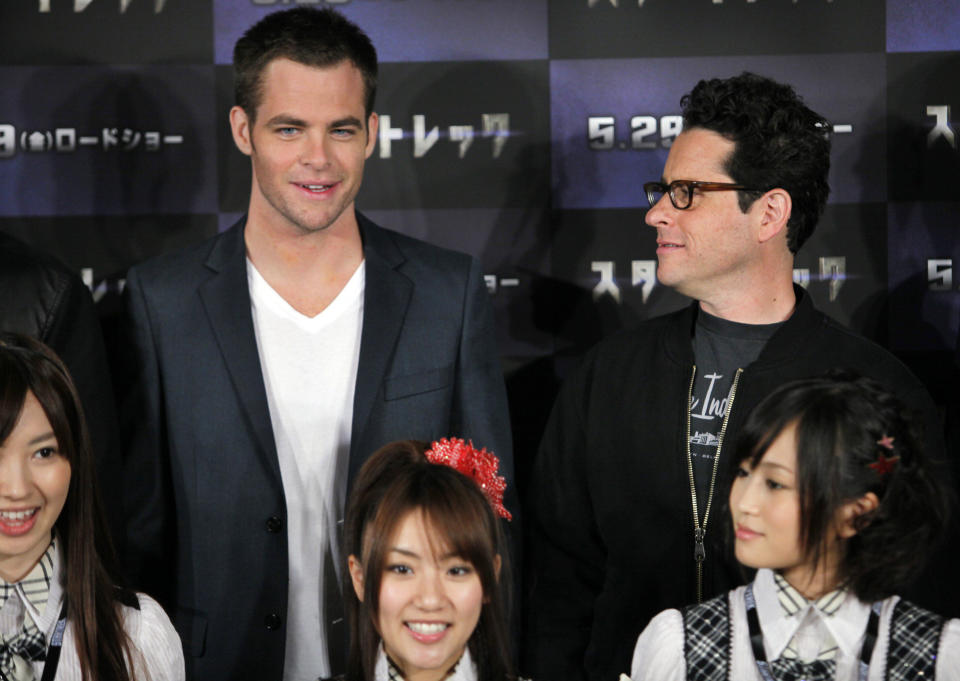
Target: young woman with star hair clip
427,576
834,501
61,614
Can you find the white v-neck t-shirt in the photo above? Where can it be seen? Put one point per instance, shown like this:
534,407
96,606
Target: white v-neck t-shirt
309,369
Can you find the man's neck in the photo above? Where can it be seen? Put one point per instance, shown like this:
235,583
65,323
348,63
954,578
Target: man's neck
770,303
307,269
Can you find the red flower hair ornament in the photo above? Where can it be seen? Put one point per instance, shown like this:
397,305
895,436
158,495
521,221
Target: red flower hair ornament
477,464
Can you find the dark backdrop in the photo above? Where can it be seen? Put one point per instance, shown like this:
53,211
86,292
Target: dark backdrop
517,130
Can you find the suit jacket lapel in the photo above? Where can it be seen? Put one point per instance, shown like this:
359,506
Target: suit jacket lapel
226,299
386,296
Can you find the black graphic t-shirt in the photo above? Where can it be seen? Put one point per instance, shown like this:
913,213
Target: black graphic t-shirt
720,347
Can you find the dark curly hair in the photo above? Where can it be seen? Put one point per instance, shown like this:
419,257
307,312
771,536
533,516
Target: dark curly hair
306,35
840,419
779,141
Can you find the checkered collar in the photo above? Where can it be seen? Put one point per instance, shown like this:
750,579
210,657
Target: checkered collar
34,589
386,670
846,625
792,601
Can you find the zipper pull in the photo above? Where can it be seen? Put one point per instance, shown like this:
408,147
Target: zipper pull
699,552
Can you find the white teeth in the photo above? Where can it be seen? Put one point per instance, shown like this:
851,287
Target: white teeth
317,187
427,628
17,516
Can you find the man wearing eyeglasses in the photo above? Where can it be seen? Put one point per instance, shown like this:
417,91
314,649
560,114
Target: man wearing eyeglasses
628,492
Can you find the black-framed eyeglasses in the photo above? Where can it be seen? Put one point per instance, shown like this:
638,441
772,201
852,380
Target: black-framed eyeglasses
681,191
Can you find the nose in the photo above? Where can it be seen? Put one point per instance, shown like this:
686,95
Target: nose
14,478
314,151
660,211
743,494
430,591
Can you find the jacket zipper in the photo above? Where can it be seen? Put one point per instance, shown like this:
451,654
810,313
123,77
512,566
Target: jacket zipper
700,529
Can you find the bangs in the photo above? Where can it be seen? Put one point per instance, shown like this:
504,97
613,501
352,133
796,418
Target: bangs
13,393
27,369
466,530
458,520
758,440
454,531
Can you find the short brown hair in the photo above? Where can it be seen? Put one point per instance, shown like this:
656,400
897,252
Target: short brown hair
306,35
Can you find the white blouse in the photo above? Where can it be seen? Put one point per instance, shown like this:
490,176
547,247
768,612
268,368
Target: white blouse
157,652
658,655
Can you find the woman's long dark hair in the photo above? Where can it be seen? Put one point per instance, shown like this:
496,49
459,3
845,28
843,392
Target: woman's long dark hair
394,482
103,647
844,426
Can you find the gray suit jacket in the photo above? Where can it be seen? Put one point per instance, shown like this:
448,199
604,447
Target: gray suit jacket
204,500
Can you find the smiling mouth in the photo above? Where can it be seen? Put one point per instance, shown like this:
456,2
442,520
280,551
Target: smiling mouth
316,188
746,533
17,516
18,522
427,628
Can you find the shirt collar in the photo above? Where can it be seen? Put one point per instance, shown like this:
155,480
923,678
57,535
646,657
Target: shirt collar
34,589
847,624
385,670
792,601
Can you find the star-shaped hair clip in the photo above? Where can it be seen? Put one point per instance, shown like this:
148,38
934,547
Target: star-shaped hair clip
884,464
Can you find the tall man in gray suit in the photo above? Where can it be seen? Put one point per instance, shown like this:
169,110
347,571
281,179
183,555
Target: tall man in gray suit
270,361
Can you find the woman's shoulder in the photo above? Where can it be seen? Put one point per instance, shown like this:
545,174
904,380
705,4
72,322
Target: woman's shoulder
949,656
142,608
153,636
659,650
922,634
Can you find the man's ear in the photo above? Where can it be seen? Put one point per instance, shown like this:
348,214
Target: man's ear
373,127
849,512
774,207
356,576
241,129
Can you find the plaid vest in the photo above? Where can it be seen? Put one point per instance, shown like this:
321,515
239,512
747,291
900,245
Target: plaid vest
912,643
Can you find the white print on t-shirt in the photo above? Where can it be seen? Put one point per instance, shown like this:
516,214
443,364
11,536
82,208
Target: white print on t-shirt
712,408
705,439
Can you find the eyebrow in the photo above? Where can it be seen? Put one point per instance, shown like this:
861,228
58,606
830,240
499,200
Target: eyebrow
286,119
347,122
414,554
770,464
42,438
